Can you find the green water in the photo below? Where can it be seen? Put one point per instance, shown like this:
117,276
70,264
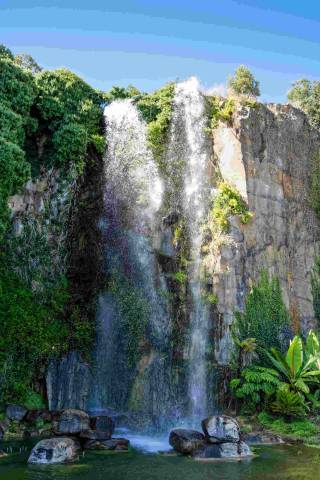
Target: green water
276,462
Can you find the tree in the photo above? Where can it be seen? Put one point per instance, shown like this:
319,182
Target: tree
26,61
244,83
5,52
305,94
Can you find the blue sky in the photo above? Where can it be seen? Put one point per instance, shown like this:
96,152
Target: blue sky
148,42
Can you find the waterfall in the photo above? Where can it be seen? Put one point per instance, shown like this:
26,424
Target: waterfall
133,196
189,144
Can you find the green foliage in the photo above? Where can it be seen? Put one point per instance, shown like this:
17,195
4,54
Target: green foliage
210,297
288,404
33,401
303,429
71,111
265,317
156,110
227,202
27,62
220,109
30,333
298,367
244,83
6,53
256,385
314,195
133,314
180,276
305,94
121,93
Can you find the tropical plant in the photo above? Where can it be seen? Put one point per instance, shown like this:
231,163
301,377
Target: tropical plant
244,83
256,385
298,368
245,352
288,403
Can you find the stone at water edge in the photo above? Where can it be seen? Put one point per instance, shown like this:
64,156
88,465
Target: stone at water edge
3,454
73,422
262,438
95,435
221,429
55,450
186,441
16,412
102,422
118,444
223,450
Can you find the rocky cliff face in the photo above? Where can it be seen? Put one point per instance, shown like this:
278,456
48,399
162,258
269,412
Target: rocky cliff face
268,155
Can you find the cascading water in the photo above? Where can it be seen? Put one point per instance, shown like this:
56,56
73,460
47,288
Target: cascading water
189,143
133,195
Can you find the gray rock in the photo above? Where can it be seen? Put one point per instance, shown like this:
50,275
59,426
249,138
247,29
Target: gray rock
262,438
3,454
96,435
220,429
55,450
186,441
38,414
16,412
102,422
118,444
223,450
73,422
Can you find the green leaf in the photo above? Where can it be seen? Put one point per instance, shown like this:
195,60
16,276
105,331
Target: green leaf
312,344
294,357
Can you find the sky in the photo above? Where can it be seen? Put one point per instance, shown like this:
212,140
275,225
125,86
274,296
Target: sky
149,42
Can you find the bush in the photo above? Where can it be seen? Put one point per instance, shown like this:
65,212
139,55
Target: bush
265,318
303,429
227,202
305,94
244,83
156,110
288,404
220,109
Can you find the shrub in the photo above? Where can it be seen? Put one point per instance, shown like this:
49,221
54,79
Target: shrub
227,202
220,109
303,429
288,404
244,83
265,317
305,94
156,110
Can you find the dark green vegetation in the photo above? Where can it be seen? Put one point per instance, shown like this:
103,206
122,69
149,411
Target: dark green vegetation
280,462
48,120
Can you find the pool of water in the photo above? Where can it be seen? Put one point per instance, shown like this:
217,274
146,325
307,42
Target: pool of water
143,463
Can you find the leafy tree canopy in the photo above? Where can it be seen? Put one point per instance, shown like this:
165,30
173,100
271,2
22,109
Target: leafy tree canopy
244,83
305,94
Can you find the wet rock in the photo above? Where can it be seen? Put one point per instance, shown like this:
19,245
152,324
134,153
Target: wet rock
118,444
55,450
38,414
96,435
186,441
223,450
221,429
102,422
2,454
73,422
16,412
262,438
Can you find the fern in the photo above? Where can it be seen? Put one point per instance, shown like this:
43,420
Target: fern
289,404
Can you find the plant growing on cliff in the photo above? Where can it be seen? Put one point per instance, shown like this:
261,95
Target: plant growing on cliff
314,196
315,288
265,317
244,83
305,94
228,202
220,109
156,110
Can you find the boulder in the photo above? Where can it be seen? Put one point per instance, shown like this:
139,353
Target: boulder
55,450
118,444
72,422
262,438
223,450
102,422
95,435
38,414
221,429
16,412
3,454
186,441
